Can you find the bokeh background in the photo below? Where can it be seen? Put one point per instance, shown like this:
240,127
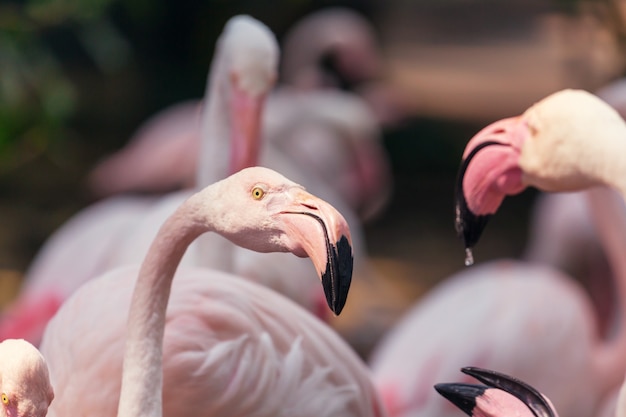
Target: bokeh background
77,77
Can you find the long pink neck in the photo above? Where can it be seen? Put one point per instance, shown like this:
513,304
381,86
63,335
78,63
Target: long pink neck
143,374
608,212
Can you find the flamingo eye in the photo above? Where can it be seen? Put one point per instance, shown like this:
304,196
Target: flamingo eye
5,399
258,193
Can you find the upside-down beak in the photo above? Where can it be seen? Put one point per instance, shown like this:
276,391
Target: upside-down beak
489,171
246,111
464,395
324,236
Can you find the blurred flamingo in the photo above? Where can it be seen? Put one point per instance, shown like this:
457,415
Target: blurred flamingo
223,346
337,47
25,389
524,319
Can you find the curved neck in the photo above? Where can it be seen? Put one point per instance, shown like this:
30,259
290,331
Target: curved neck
143,369
609,216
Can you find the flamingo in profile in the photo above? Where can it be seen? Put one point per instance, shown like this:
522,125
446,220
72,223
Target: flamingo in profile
524,319
243,72
500,396
200,342
25,389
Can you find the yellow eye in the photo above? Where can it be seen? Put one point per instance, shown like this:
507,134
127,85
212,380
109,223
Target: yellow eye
5,399
258,193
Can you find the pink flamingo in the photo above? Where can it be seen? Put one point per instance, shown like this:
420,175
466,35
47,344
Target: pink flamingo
25,389
333,47
223,346
246,56
502,395
520,317
336,47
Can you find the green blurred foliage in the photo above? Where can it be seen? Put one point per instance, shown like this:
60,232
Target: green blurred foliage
37,98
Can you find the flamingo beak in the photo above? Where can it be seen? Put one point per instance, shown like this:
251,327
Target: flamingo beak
464,395
489,171
246,111
326,240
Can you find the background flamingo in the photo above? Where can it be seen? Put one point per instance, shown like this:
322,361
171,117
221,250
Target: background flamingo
516,317
230,347
86,245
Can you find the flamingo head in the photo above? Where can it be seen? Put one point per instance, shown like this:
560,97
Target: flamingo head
266,212
562,143
25,389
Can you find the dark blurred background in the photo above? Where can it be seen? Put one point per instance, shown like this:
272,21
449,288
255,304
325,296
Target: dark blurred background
77,77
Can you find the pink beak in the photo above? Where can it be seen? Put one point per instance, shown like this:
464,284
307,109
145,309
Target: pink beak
322,234
489,172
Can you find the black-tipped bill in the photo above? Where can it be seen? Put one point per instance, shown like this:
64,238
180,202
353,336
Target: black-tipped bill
524,392
469,226
462,395
338,275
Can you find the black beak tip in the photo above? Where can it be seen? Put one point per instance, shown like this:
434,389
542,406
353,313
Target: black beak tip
523,391
469,226
462,395
337,278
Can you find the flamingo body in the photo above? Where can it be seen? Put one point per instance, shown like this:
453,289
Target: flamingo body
226,339
505,315
223,346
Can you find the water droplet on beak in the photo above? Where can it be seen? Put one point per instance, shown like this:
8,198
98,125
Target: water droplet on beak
469,257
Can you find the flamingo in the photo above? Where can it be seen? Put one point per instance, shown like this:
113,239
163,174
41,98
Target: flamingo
337,47
502,395
524,319
224,346
332,47
244,71
25,389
